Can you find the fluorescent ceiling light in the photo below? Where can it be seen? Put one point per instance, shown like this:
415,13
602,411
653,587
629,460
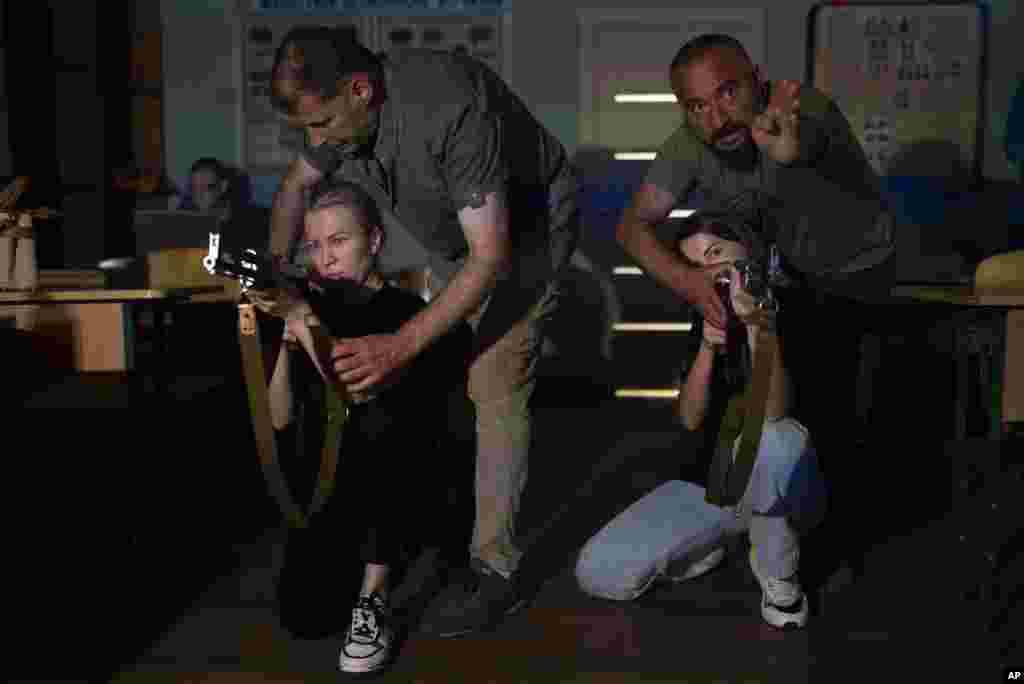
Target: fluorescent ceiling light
643,98
626,393
681,213
653,327
635,156
627,270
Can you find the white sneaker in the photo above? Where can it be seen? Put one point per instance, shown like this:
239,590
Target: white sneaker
783,603
368,640
682,571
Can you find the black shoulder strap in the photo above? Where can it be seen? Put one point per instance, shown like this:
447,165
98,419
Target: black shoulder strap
729,473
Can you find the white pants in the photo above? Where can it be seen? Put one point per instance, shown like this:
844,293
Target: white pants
785,496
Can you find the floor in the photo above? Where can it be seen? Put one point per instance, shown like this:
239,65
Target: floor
216,599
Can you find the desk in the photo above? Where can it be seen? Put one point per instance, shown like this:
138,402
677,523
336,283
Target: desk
1012,300
979,537
98,325
100,296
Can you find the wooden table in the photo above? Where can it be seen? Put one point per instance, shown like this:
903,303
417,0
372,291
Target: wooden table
80,296
99,325
1010,299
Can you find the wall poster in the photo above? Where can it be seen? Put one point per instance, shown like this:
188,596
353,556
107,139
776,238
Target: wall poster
470,27
909,78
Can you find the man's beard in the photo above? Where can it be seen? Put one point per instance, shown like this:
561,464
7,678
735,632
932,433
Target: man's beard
739,157
728,131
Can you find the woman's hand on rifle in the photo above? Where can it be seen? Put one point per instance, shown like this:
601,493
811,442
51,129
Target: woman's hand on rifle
281,302
746,306
297,331
714,337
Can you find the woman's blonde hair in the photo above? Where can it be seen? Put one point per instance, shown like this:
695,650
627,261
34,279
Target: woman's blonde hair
351,195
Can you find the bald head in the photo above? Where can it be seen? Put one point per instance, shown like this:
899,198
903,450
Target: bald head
700,47
719,90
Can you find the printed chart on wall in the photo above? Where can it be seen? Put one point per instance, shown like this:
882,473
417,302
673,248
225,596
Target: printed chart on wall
471,27
908,78
479,37
270,145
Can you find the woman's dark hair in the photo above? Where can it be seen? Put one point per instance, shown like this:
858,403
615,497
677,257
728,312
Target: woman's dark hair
212,164
744,227
702,223
736,226
233,197
315,58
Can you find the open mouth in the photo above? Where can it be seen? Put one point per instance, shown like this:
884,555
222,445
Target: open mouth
733,139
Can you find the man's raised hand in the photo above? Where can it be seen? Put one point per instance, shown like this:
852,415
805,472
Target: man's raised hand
776,131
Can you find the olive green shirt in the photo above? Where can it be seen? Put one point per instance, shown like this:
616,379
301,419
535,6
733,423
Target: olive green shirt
450,131
828,204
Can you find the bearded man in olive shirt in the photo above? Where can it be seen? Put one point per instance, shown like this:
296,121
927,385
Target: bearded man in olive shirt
785,150
445,147
777,145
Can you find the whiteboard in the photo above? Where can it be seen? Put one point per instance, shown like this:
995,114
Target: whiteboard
479,37
909,77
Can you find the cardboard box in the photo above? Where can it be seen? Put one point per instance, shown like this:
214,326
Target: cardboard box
183,267
97,336
179,267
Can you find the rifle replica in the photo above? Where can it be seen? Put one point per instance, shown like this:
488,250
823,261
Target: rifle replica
733,461
259,272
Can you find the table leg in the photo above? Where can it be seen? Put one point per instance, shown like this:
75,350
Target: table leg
867,370
961,388
986,379
1013,368
158,368
139,351
148,347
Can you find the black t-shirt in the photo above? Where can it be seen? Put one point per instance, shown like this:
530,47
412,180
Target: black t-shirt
408,434
420,396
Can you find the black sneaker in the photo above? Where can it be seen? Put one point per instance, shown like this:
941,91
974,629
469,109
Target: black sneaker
368,641
478,602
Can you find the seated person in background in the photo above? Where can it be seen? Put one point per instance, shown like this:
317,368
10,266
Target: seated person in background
396,462
211,189
673,531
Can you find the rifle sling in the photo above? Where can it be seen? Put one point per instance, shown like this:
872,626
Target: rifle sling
336,408
729,474
266,444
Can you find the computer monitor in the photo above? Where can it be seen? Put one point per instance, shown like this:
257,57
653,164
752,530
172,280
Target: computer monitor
157,230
